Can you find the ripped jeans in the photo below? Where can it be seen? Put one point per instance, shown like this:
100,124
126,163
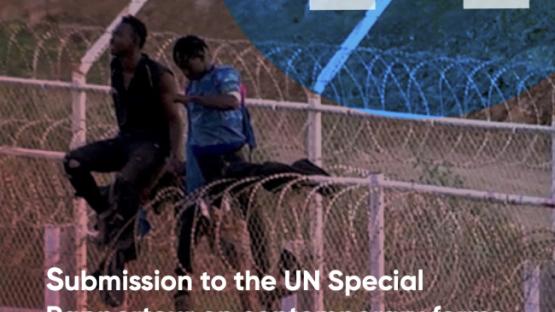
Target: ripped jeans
138,163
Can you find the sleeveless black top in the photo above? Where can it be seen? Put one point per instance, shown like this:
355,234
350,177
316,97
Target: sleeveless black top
139,109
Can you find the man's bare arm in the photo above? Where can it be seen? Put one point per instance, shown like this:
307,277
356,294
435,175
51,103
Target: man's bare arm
224,101
173,115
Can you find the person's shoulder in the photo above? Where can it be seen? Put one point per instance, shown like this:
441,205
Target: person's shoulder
226,71
160,68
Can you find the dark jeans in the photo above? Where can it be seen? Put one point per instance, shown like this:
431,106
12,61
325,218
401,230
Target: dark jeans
213,167
137,161
234,167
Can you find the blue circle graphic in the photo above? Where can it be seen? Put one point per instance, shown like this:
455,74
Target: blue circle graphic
423,57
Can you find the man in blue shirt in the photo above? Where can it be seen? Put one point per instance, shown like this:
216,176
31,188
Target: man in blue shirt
218,122
218,128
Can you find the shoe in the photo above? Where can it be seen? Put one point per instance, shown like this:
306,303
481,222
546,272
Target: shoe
108,224
114,267
307,167
102,226
144,226
182,302
288,262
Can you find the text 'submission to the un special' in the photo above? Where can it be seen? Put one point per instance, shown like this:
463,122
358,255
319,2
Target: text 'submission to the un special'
335,280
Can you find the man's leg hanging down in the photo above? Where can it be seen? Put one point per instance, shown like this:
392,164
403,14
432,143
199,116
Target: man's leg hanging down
182,299
102,156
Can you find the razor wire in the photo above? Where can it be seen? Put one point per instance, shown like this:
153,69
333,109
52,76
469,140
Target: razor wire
391,80
504,159
478,248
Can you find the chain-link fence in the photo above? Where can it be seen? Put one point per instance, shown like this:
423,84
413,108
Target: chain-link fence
473,251
509,159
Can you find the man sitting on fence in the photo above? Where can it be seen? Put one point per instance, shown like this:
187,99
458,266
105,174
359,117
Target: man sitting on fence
219,129
149,138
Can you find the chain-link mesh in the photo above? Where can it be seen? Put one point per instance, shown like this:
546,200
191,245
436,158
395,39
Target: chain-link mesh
476,158
473,252
499,160
496,160
35,118
34,194
44,51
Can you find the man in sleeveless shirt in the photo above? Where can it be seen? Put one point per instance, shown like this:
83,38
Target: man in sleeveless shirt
149,139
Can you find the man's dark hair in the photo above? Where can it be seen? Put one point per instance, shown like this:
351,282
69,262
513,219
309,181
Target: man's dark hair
187,47
138,27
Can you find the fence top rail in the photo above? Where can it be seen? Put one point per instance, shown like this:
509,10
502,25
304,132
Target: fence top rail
31,153
289,105
55,84
370,181
440,121
373,181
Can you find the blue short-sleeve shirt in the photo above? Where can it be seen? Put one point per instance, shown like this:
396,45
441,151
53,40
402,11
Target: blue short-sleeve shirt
211,130
210,126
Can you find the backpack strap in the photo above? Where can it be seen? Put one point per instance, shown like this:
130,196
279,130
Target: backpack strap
247,125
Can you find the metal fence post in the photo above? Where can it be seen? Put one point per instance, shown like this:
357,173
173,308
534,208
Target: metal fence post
314,146
79,133
78,130
376,205
531,287
552,193
312,301
549,286
314,138
51,259
57,245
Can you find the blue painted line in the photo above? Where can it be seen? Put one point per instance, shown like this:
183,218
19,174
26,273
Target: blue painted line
348,46
397,115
